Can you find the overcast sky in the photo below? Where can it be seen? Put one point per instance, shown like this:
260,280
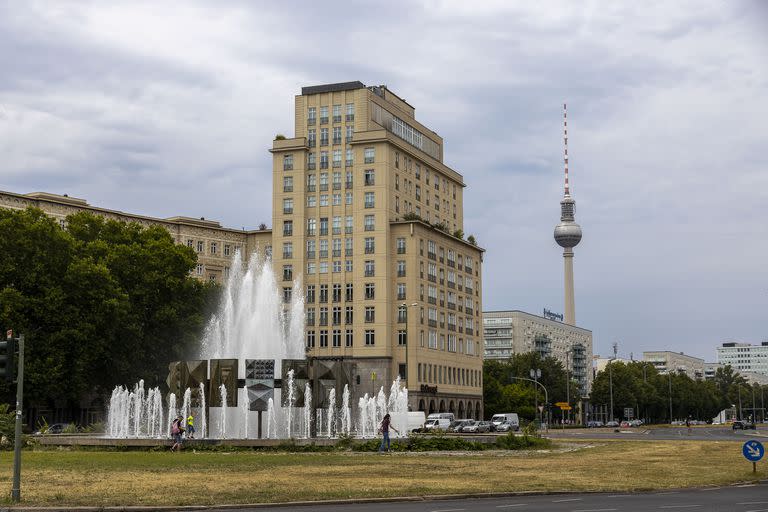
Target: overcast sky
168,109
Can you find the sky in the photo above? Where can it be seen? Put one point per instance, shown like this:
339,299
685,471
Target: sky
170,108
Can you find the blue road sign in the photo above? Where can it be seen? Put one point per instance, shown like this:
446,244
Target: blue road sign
753,450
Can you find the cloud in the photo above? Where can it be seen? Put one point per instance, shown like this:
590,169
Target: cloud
169,109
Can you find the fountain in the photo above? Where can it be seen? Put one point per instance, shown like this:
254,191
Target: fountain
254,335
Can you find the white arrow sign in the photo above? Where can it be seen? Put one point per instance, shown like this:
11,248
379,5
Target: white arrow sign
753,450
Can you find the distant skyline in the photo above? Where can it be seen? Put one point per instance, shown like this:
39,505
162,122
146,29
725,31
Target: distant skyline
169,109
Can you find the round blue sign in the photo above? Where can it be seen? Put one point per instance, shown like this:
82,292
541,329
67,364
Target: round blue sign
753,450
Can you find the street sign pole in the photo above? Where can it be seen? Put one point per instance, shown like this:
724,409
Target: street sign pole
753,451
16,489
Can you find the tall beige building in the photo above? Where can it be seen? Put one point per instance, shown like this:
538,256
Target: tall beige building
364,212
352,191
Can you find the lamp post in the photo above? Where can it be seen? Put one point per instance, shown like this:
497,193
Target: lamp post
610,375
568,379
546,395
536,375
407,367
669,373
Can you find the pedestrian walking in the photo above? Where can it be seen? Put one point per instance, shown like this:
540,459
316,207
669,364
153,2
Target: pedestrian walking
177,431
384,427
190,427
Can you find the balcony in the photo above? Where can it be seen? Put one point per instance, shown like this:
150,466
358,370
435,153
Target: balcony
369,160
310,255
451,263
451,306
432,323
336,230
336,253
323,231
323,253
324,120
401,273
348,185
370,273
324,165
288,210
400,296
311,188
348,163
336,140
348,230
337,184
287,188
431,255
401,250
311,121
336,164
469,311
287,167
337,119
451,285
350,117
370,250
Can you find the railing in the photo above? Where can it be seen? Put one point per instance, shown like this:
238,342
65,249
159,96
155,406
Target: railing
336,184
401,250
287,167
350,117
347,252
323,253
348,229
336,253
323,231
348,163
431,279
311,121
324,165
287,188
368,227
287,255
337,119
369,273
287,232
451,263
311,188
324,186
431,255
323,142
369,160
348,139
370,250
312,143
310,255
432,323
287,210
337,140
400,296
336,231
324,120
336,164
401,273
348,185
432,300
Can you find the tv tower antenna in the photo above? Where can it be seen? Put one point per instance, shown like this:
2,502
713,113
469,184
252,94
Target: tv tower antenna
565,149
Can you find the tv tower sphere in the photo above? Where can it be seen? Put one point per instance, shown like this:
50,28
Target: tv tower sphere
567,233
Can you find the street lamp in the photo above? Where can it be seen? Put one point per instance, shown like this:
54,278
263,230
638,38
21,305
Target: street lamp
669,373
610,375
536,375
546,394
407,367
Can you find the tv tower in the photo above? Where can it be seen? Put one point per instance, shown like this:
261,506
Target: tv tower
567,233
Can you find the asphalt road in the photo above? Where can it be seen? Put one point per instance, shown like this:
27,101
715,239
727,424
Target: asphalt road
744,498
724,433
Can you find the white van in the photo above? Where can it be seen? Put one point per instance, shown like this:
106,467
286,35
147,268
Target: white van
507,417
415,421
441,415
437,424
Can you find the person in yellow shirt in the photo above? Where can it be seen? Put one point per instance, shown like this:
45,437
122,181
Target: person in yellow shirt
190,427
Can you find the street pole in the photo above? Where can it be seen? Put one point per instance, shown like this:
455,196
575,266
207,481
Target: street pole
568,380
669,373
16,489
546,394
754,415
610,387
741,413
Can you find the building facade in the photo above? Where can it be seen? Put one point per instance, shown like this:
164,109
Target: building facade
357,194
515,332
744,357
364,213
665,360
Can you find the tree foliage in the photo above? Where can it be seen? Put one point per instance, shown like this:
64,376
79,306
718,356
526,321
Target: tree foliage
101,302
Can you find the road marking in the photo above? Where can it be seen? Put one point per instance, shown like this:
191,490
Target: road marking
752,503
746,485
759,510
594,509
679,506
563,501
515,505
711,489
449,510
664,493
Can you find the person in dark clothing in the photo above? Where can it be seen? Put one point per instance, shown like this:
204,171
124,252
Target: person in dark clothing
384,427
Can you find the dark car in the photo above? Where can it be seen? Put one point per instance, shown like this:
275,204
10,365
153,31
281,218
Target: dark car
743,425
458,425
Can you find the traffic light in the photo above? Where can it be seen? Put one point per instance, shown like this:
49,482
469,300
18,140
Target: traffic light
8,359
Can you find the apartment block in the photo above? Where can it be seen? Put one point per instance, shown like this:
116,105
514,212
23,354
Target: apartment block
665,360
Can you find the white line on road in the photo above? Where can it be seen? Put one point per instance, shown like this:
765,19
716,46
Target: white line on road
665,493
515,505
593,510
752,503
759,510
563,501
449,510
679,506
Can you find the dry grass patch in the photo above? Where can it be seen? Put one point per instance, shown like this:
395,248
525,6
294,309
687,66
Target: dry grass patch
160,478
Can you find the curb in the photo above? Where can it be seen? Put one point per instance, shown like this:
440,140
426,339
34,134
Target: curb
396,499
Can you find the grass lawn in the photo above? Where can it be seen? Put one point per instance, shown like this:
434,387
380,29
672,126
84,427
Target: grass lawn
80,477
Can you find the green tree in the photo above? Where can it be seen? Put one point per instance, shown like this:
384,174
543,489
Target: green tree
101,303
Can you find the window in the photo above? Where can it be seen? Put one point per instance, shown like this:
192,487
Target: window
227,249
350,131
336,163
348,314
348,338
287,183
311,201
287,205
324,165
287,272
349,293
310,339
370,268
337,134
350,111
370,314
336,267
199,269
400,291
323,338
311,162
323,199
311,138
370,290
369,223
287,227
336,293
348,247
324,115
432,343
370,245
370,200
190,242
369,177
401,246
324,316
348,266
336,200
418,193
323,248
369,155
311,266
323,293
214,247
370,337
397,182
336,340
287,250
336,315
311,226
337,113
323,226
402,338
311,294
200,246
401,268
350,159
337,227
311,116
287,291
287,162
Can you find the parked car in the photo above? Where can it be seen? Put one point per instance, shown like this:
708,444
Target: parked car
54,428
743,425
436,424
506,427
478,427
594,424
636,423
458,425
506,417
611,423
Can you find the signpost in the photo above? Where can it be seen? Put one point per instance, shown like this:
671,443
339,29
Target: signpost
753,451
